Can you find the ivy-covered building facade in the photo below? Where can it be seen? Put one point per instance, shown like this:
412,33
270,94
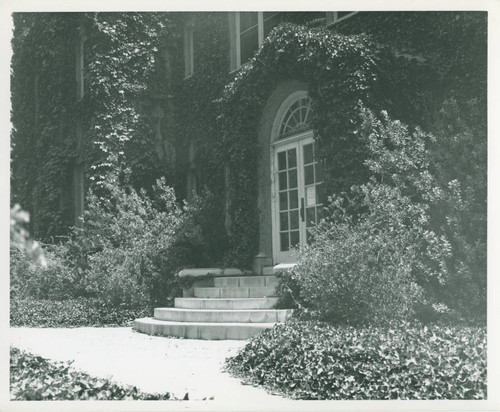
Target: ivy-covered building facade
255,114
267,109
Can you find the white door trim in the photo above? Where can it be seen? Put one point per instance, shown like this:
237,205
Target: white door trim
297,142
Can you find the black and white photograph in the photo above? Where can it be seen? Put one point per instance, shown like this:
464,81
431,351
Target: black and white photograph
251,207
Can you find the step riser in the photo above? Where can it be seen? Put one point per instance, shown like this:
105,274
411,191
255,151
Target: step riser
218,316
205,332
253,292
246,281
225,304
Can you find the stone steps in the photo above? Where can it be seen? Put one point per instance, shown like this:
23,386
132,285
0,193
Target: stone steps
245,281
232,292
224,304
231,305
222,316
200,330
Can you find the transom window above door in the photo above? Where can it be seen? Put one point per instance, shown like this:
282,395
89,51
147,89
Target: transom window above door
297,118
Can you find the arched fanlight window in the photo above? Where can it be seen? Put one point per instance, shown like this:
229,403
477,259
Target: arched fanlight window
297,118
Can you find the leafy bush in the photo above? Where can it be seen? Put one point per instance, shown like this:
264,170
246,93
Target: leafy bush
56,279
71,313
121,263
19,235
398,246
458,160
310,360
34,378
132,244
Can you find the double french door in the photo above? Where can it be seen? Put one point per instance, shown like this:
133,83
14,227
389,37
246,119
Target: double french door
297,185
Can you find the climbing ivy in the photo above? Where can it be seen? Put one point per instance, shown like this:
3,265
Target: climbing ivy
125,56
125,71
137,98
196,112
339,72
403,74
454,44
43,112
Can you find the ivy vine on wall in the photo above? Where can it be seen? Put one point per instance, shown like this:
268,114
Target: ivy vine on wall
125,83
340,71
139,115
43,112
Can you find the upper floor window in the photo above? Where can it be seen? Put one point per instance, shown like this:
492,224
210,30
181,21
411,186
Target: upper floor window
192,184
188,49
80,65
333,17
248,31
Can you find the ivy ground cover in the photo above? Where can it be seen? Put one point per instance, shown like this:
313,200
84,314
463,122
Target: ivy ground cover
311,360
35,378
70,313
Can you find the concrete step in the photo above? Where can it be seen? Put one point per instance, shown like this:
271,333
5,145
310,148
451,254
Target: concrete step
225,304
222,316
200,330
231,292
245,281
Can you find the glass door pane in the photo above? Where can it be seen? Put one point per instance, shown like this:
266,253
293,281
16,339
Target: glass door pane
288,199
313,179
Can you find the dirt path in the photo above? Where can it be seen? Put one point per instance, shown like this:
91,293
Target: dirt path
153,364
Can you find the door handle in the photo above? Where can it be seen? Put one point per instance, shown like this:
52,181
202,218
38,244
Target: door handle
302,208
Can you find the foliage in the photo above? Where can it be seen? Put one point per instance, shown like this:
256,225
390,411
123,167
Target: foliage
71,313
123,262
132,246
360,59
19,235
405,228
310,360
35,378
55,279
136,98
458,160
43,113
113,125
458,54
338,70
125,76
195,113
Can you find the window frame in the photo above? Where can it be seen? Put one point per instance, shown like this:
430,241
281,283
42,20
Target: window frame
192,176
332,17
188,49
80,64
235,37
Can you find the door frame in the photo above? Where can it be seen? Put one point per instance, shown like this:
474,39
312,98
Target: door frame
298,141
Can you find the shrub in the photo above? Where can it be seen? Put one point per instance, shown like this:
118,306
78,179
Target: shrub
114,277
311,360
19,235
121,263
132,244
458,160
71,313
56,279
35,378
357,276
398,246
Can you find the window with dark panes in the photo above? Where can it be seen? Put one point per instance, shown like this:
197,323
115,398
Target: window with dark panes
249,35
248,30
271,19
